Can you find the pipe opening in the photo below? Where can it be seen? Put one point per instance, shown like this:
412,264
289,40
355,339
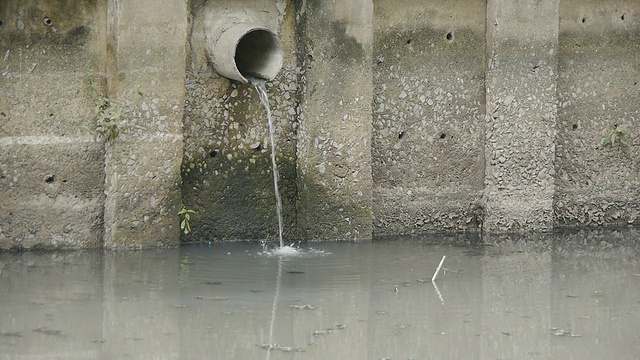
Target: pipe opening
258,55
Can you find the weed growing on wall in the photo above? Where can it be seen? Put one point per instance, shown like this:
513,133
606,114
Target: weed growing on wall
185,215
106,115
616,134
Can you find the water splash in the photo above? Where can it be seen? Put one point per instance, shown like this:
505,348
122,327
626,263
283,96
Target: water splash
292,251
261,88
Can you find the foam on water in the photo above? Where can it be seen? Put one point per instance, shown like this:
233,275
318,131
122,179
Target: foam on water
292,251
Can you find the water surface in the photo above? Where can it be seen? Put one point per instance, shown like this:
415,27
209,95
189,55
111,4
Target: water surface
572,296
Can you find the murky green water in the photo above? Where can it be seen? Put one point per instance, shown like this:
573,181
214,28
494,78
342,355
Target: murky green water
554,297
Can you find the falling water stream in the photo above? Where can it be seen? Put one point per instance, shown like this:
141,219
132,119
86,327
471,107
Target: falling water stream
262,92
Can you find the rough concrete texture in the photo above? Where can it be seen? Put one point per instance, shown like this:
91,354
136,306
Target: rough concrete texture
391,117
227,159
522,47
51,171
334,137
598,87
145,75
428,116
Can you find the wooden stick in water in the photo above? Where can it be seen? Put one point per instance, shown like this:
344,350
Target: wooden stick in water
435,275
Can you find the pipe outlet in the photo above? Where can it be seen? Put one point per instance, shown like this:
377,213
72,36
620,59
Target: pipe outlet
244,51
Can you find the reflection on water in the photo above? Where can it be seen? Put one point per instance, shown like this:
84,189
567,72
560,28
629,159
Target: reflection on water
569,296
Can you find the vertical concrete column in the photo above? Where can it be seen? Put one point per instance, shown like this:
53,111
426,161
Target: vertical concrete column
521,78
146,78
334,142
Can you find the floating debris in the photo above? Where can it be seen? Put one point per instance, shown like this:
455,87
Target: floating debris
381,312
435,274
270,347
295,272
180,306
571,296
212,283
403,326
321,332
340,326
598,293
32,67
211,298
47,331
12,334
561,332
303,307
634,274
585,317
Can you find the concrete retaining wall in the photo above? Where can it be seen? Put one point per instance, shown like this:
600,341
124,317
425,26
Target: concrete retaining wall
392,117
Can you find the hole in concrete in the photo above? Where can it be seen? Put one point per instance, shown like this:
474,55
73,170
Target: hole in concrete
583,20
49,179
64,181
213,153
622,17
47,21
1,23
450,36
258,54
443,135
401,134
51,115
575,126
409,41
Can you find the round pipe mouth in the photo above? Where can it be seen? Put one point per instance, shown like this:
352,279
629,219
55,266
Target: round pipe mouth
247,53
259,55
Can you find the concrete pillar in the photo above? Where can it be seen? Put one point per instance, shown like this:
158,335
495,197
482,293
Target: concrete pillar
521,78
428,115
146,73
598,87
51,170
334,137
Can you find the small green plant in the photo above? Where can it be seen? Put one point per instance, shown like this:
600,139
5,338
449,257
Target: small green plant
616,134
185,215
106,115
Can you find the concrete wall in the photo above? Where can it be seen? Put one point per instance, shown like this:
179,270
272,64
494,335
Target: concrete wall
428,115
226,169
55,174
334,137
51,171
391,117
598,87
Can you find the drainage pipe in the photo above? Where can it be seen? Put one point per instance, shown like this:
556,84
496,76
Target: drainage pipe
243,50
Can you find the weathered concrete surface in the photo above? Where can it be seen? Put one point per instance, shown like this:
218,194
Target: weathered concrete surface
145,75
51,171
334,137
227,165
391,117
598,87
521,80
428,116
